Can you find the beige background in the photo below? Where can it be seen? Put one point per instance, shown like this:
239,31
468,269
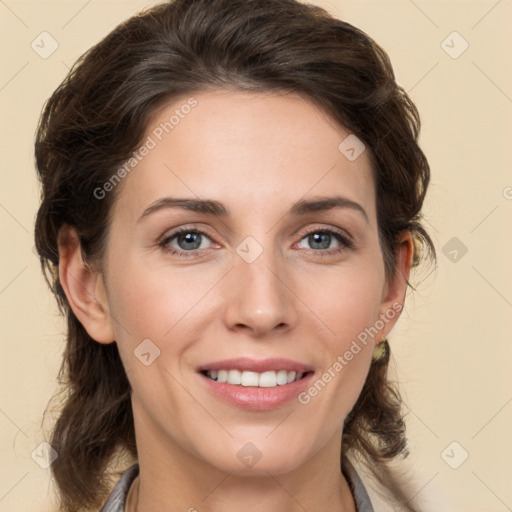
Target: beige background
453,344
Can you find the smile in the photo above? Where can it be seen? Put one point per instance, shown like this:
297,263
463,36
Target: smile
256,384
269,379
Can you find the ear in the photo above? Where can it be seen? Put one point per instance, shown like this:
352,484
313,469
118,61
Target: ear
393,296
84,287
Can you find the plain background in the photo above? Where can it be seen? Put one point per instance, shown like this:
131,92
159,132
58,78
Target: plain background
452,345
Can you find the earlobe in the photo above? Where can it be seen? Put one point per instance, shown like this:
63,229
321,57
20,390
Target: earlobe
395,290
84,287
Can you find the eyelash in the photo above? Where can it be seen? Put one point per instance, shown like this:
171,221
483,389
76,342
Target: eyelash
345,242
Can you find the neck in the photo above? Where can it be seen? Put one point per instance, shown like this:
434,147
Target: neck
264,496
132,499
171,487
175,479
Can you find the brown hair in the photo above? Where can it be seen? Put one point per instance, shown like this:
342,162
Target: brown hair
94,122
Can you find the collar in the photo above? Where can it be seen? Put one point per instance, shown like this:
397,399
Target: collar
117,499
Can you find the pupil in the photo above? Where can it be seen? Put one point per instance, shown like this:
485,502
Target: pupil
317,239
190,238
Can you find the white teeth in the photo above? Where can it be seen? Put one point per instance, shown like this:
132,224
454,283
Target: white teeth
282,377
234,377
263,380
249,379
268,380
291,377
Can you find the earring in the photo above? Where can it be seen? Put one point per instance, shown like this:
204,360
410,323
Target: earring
381,350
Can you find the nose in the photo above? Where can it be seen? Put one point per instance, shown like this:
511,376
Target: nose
259,297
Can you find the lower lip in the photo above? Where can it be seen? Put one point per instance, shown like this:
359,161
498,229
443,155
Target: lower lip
256,398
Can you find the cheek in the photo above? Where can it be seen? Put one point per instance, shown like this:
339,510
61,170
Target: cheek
151,302
348,306
347,301
170,307
154,313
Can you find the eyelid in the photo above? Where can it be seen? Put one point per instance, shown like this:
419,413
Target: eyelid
329,229
186,228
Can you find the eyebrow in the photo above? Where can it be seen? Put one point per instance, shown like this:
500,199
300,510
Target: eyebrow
216,208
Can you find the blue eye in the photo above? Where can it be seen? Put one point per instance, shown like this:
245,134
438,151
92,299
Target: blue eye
320,241
188,240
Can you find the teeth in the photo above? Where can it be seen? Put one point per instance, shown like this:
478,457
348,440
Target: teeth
267,380
282,377
234,377
249,379
263,380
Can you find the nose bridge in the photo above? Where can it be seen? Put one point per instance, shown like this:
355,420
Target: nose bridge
259,297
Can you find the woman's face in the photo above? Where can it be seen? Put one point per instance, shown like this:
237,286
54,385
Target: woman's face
264,284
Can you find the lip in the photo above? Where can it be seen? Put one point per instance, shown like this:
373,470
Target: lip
257,365
254,398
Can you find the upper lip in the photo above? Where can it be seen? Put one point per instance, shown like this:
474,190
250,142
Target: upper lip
257,365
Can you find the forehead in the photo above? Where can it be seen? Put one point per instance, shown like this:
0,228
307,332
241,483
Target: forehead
248,150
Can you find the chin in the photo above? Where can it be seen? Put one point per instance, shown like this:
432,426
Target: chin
259,456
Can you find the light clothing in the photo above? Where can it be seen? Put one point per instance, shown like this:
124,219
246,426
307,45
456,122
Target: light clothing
117,499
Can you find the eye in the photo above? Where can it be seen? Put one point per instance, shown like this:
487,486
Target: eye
185,242
320,241
189,242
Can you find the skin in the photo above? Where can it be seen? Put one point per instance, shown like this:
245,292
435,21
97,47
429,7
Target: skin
257,154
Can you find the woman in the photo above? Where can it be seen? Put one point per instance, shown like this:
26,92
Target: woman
231,197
